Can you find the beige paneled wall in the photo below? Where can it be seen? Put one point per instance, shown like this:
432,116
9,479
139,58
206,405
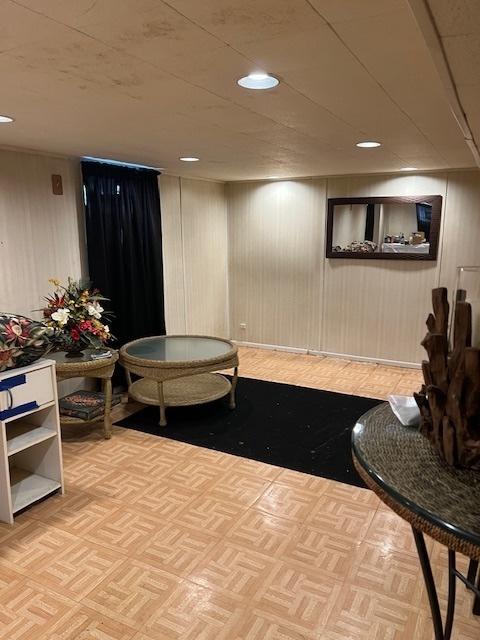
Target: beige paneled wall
194,229
288,294
461,235
204,224
172,245
41,234
276,231
271,244
377,309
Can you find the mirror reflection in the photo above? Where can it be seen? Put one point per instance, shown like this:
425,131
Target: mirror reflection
397,227
389,227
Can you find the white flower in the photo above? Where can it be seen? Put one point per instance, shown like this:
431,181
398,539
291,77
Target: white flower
61,316
95,309
106,328
17,329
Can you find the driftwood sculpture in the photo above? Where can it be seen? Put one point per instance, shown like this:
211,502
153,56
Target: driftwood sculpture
449,400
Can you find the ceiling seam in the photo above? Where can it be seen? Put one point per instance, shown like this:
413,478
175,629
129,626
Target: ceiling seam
230,46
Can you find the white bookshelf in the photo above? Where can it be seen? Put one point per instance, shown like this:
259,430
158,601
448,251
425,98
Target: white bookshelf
30,438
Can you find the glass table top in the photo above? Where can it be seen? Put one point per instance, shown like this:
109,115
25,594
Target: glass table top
178,348
61,357
403,463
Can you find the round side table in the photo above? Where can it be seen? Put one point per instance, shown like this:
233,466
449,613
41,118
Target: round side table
178,370
86,367
402,468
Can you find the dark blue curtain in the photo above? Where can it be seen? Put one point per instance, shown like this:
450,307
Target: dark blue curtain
424,219
124,243
370,222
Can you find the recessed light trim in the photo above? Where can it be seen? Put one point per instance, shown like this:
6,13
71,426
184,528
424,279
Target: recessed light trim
189,159
6,119
409,169
368,144
258,81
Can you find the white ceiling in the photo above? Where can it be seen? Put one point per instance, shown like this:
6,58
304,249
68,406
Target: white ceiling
458,25
148,81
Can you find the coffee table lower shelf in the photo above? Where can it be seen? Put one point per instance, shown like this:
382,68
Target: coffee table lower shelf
181,392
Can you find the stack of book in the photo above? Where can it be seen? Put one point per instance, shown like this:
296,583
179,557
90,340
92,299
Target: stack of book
85,405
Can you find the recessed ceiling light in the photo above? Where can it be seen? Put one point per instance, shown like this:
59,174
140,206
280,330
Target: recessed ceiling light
5,119
409,169
189,159
368,144
258,81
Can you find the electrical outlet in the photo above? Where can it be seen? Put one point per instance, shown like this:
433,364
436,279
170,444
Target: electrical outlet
243,325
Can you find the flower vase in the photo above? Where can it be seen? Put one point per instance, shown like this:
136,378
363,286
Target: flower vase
74,351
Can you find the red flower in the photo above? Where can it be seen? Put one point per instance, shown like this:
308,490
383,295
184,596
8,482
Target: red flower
75,333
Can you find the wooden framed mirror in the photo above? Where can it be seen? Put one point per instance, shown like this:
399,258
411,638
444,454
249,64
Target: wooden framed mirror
384,228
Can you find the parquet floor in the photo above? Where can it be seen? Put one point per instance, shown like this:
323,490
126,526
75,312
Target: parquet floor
161,540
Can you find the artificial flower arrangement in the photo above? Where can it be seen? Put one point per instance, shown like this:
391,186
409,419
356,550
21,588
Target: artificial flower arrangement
76,314
22,340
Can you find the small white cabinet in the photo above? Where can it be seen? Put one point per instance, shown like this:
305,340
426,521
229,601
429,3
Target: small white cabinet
30,438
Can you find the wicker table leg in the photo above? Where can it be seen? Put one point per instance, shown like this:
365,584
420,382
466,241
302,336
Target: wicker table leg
161,402
232,390
107,421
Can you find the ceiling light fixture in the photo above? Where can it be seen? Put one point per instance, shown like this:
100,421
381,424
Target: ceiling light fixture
368,144
6,119
272,178
189,159
409,169
258,81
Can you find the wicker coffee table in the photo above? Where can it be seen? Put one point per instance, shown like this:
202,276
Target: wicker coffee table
178,370
404,470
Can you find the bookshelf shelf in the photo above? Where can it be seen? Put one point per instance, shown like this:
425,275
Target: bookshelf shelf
22,436
27,488
30,439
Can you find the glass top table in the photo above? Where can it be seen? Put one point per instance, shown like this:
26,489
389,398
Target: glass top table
84,366
399,464
179,370
85,356
178,348
405,466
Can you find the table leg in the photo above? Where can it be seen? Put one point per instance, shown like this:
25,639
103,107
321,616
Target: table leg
472,570
452,582
161,402
432,591
107,421
232,390
476,602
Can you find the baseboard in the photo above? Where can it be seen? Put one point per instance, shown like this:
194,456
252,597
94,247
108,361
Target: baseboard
312,352
271,347
390,363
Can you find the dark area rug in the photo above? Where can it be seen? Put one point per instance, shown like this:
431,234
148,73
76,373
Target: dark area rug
288,426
